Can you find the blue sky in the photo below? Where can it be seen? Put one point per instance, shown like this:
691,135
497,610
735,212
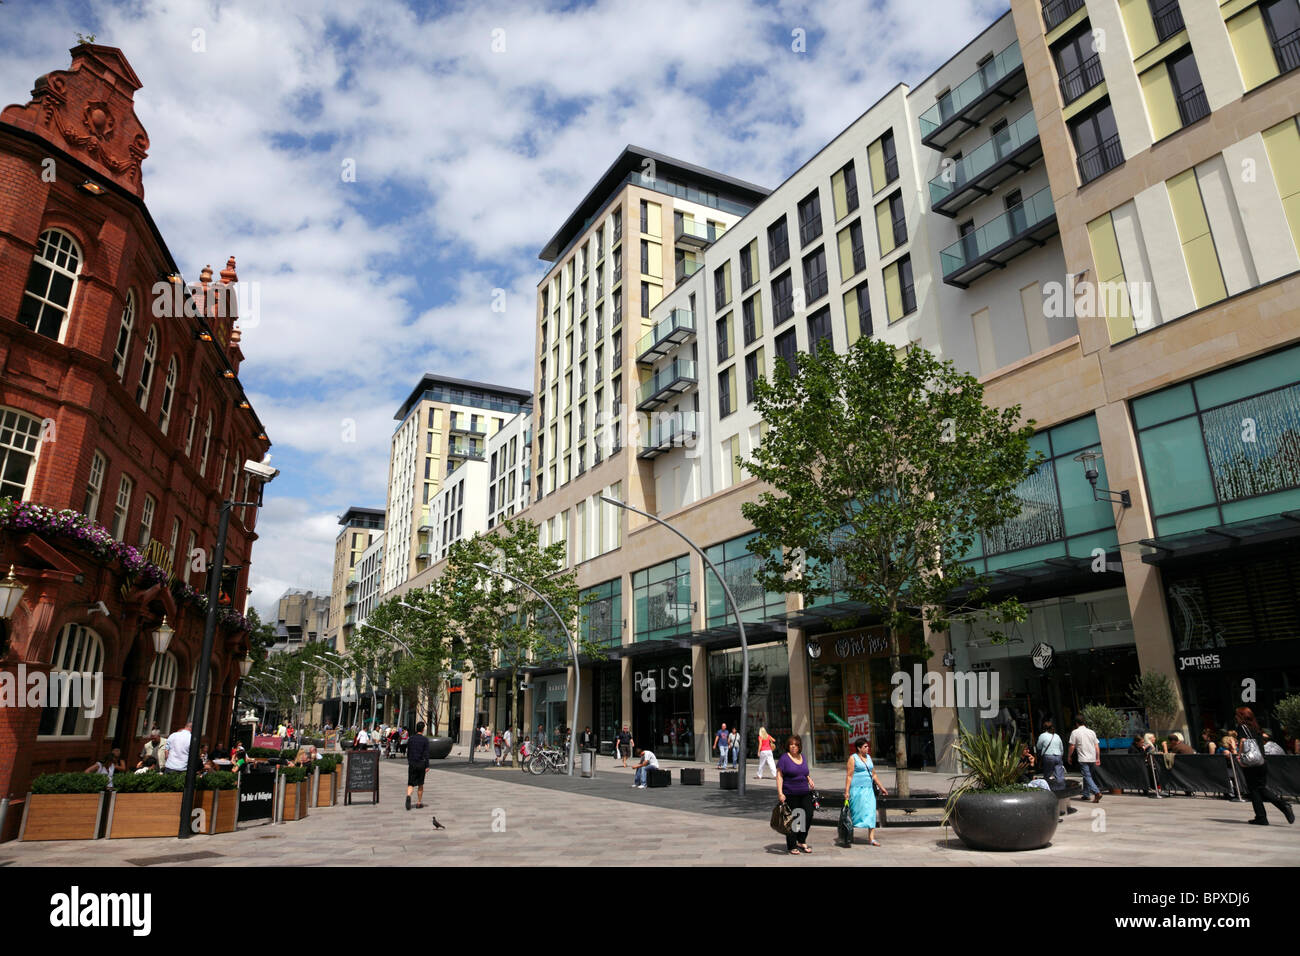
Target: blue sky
467,158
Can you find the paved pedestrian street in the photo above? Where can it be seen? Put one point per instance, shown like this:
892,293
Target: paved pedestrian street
503,817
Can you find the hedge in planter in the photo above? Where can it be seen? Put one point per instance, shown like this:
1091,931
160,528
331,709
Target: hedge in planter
149,804
64,806
326,792
296,793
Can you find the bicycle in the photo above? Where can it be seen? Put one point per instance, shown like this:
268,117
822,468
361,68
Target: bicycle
548,759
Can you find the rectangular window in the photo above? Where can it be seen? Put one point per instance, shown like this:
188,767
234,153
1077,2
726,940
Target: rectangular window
645,300
844,191
782,298
726,392
810,218
752,318
94,486
787,350
1096,142
883,161
819,329
1189,92
753,369
661,598
121,508
645,216
146,521
900,296
898,219
748,266
722,286
778,243
853,256
857,312
723,327
1078,63
645,257
814,275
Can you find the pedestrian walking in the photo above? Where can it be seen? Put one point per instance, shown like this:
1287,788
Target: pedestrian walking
860,783
722,742
794,787
766,742
1084,745
588,739
1051,754
733,747
623,748
1254,769
417,765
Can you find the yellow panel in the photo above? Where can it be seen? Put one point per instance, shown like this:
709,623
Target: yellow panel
1250,43
1194,233
726,280
846,254
1139,26
1283,145
876,160
654,218
656,260
1162,108
1110,271
851,316
758,314
893,293
839,196
735,452
1095,94
656,293
731,385
885,228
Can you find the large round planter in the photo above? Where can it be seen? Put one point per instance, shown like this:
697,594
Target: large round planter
1006,821
439,747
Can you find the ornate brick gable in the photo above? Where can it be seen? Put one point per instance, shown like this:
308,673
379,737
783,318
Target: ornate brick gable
89,111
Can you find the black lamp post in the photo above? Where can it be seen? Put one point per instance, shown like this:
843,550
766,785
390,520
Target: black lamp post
264,473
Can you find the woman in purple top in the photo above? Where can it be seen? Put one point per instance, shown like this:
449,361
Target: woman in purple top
794,788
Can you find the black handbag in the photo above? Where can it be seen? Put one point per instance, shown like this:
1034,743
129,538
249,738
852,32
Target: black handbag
782,819
845,827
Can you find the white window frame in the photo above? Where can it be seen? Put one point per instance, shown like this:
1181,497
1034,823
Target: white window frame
162,688
146,521
147,369
207,446
122,351
122,507
176,537
20,434
168,395
194,418
79,650
193,543
49,252
95,485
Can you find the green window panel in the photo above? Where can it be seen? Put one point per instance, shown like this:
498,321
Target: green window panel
1075,436
1262,507
1251,378
1080,510
1164,406
1013,559
1083,546
1254,445
1188,521
1178,476
653,589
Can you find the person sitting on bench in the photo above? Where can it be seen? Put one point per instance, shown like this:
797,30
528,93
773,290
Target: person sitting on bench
648,762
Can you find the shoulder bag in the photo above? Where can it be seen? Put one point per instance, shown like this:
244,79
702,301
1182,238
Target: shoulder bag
782,818
1251,754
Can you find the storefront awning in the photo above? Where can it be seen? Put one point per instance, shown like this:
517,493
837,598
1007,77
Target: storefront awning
665,645
728,635
1276,527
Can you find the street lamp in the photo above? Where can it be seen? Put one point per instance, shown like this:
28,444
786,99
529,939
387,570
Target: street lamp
744,645
573,649
1089,460
473,744
263,474
11,592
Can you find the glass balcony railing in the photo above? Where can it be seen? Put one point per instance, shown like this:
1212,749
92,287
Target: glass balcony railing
699,234
675,377
961,260
965,180
462,450
677,328
969,95
667,431
688,267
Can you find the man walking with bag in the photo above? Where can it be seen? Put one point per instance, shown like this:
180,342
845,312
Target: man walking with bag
1051,753
1083,743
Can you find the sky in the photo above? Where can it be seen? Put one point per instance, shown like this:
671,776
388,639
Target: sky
380,168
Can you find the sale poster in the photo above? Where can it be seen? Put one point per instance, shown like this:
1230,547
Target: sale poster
858,707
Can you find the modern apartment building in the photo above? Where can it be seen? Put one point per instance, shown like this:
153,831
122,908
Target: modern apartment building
443,423
360,528
510,469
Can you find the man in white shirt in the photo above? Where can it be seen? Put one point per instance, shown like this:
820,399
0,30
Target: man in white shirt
363,740
1084,743
177,749
648,763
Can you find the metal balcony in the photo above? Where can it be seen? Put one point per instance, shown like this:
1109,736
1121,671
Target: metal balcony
468,429
672,379
698,234
962,108
673,430
455,450
677,328
1168,19
1056,12
1193,106
993,244
687,268
1007,153
1081,79
1100,159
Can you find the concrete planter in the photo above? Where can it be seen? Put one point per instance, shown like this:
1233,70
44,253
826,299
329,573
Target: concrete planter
1006,821
62,816
439,747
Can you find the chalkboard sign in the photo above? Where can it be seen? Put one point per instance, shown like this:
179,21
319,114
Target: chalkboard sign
362,775
256,796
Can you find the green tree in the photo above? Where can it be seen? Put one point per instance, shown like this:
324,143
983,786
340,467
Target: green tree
884,471
1155,693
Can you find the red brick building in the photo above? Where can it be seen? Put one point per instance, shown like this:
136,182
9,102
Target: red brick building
120,400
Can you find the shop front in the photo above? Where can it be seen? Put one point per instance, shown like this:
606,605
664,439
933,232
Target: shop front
606,704
769,692
550,697
849,686
662,704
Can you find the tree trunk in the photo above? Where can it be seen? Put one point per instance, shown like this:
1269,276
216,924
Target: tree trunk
900,716
514,718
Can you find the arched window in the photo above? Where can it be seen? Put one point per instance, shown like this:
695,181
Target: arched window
194,417
146,370
50,285
78,658
20,437
146,521
169,392
194,696
123,348
207,446
162,694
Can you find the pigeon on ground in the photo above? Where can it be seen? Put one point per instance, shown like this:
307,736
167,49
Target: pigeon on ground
437,825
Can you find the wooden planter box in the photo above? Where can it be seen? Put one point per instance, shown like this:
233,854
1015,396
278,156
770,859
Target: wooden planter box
62,816
159,814
324,789
296,797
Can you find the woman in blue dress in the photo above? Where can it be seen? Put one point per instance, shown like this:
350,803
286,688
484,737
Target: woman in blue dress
860,784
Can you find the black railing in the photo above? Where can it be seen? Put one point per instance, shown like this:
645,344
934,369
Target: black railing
1056,11
1192,105
1287,51
1081,79
1168,18
1100,159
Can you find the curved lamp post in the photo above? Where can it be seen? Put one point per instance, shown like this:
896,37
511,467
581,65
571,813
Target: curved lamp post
473,744
744,646
573,649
